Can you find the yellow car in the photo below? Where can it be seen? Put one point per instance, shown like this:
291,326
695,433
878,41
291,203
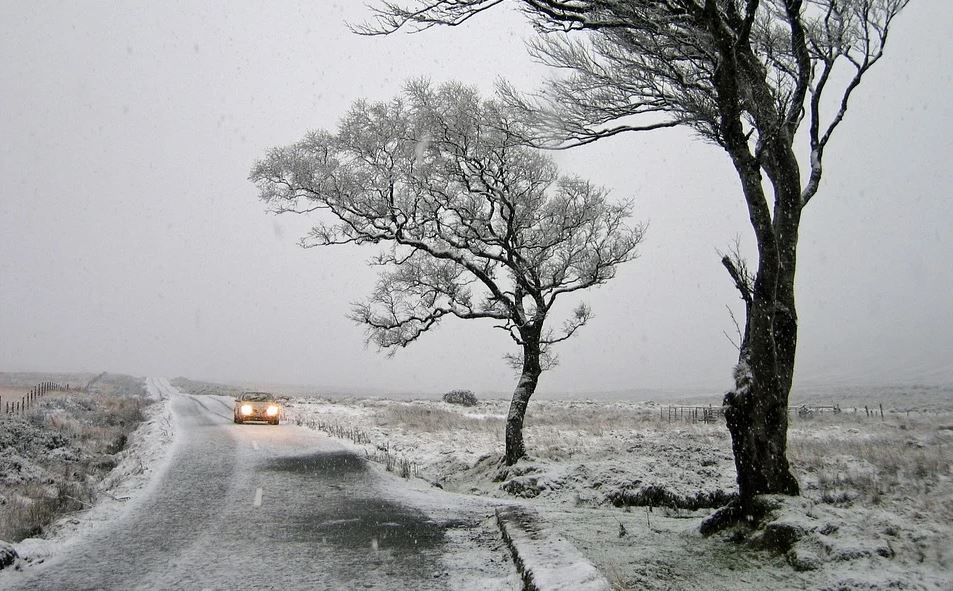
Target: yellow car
257,406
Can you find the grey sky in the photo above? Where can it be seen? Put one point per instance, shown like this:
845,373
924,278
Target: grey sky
132,241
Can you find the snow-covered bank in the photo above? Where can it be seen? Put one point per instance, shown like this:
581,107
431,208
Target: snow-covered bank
875,511
143,457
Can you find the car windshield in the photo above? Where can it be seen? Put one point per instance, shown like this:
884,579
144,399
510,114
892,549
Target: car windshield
257,397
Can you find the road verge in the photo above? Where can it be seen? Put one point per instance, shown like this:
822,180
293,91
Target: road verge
545,559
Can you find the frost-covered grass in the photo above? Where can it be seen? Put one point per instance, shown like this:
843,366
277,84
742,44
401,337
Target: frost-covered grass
876,510
205,388
903,463
53,457
430,418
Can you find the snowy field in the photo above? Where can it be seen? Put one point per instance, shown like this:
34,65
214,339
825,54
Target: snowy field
630,487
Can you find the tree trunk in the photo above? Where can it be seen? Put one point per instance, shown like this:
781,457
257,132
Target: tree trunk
524,390
757,420
756,410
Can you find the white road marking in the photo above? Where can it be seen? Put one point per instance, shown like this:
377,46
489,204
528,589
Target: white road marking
258,497
254,444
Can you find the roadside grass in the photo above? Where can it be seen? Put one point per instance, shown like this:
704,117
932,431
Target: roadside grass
430,418
205,388
54,457
489,416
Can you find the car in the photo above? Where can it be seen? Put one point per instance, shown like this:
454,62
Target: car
257,406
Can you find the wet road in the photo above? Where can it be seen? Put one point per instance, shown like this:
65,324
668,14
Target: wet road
259,507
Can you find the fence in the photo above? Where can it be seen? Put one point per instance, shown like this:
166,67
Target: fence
29,400
809,411
695,414
709,414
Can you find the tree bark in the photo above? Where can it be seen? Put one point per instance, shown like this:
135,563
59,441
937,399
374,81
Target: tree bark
756,410
529,378
757,420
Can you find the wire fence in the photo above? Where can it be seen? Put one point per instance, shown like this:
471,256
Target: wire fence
19,405
691,414
710,414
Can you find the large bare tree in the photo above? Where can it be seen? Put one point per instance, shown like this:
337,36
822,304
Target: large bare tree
744,74
476,224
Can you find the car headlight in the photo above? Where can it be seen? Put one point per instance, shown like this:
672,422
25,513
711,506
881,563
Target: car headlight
246,409
272,411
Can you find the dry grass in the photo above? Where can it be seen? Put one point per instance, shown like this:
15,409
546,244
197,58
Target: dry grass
553,430
901,461
589,417
31,507
205,388
427,419
542,416
53,457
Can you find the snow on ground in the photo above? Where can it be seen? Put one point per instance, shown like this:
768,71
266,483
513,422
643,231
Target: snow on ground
144,455
630,489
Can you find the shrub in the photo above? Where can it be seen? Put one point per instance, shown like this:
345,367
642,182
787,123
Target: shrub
461,397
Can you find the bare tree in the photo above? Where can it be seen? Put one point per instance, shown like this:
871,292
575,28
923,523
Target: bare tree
744,75
477,225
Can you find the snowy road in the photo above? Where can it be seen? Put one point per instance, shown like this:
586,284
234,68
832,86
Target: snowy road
264,507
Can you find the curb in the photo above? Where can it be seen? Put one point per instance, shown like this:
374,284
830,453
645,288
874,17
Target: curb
545,560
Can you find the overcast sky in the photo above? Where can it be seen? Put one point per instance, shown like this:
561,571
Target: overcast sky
131,240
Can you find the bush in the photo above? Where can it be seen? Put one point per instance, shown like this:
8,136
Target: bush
461,397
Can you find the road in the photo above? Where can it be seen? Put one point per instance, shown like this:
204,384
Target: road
265,507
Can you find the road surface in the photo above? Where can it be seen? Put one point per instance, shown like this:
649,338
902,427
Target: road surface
284,508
